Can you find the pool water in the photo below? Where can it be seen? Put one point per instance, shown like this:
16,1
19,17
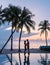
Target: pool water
21,59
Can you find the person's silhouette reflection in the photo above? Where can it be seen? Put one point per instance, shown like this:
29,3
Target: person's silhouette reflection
26,60
25,47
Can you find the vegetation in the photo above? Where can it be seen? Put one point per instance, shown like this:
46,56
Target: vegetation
11,14
19,19
25,21
44,26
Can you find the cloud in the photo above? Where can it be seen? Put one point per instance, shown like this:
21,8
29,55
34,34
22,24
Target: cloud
8,28
30,34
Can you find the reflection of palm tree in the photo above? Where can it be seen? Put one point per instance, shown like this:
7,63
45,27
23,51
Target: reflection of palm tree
43,60
10,59
11,14
25,20
44,27
16,63
20,59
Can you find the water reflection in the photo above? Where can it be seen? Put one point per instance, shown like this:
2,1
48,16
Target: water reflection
20,59
44,60
26,59
11,59
16,63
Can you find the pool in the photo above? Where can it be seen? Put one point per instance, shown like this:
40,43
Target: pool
21,59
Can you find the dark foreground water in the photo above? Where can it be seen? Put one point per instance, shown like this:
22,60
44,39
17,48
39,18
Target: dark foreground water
21,59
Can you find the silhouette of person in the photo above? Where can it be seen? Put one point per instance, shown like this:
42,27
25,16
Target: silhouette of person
28,45
24,47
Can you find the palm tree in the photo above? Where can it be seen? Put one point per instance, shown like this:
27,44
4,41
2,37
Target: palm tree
11,14
15,11
44,26
25,21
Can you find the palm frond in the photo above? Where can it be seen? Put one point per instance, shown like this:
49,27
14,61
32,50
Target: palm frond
42,31
31,25
48,28
44,25
28,28
41,23
25,19
27,10
15,9
31,21
41,28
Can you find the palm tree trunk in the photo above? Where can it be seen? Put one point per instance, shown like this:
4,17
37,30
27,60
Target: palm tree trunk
7,41
46,38
12,39
20,38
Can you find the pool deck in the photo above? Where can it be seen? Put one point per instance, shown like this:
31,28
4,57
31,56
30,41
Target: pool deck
8,51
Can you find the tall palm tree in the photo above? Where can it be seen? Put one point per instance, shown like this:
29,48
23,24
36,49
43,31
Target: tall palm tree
11,14
44,26
15,11
25,21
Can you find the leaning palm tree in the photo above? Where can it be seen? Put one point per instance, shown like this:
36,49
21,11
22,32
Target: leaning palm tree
44,26
25,21
11,14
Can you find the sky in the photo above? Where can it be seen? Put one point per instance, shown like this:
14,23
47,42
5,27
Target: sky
41,9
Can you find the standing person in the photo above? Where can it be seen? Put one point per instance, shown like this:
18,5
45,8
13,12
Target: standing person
24,47
28,45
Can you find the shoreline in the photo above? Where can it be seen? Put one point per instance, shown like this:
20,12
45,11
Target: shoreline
34,50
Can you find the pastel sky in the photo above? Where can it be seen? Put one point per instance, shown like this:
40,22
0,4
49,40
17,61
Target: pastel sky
41,9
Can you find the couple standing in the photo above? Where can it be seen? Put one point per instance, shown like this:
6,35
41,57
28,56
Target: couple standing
26,45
